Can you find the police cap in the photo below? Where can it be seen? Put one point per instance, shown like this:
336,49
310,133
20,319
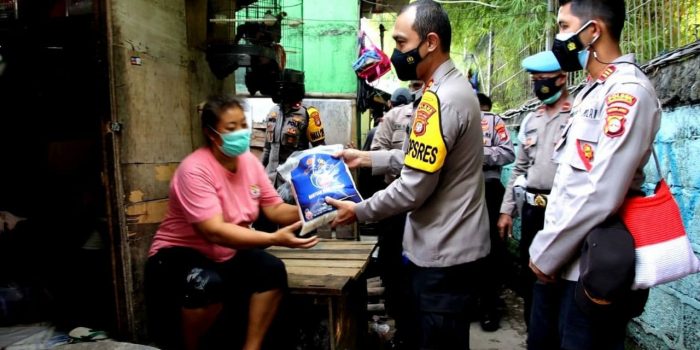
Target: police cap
542,62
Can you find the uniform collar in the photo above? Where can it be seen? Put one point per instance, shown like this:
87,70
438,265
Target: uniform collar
540,110
437,78
612,68
407,110
565,108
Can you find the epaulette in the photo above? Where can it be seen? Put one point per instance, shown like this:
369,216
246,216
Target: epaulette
566,107
609,70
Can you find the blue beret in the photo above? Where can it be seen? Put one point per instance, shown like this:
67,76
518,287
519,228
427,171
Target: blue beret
542,62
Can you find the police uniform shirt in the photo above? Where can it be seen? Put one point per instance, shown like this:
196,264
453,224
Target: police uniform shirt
441,184
601,158
498,147
287,133
392,132
537,136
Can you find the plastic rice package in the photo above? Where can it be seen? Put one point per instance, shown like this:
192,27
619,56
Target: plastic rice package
285,192
315,174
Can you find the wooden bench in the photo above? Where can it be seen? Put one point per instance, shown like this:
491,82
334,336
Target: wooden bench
329,273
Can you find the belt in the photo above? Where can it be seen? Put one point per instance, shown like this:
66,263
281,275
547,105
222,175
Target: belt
536,199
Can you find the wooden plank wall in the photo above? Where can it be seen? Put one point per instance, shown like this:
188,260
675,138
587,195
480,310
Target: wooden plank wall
156,105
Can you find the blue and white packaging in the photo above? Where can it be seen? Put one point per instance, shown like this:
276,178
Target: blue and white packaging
314,175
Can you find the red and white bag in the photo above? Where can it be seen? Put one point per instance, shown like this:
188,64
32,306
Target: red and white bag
662,249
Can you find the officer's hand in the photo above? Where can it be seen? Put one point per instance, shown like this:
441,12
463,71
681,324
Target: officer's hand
355,158
8,221
351,144
505,226
285,237
541,276
346,211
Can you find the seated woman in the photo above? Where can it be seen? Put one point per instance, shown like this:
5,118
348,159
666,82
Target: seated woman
203,257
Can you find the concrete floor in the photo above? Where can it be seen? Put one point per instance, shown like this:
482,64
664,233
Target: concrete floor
511,335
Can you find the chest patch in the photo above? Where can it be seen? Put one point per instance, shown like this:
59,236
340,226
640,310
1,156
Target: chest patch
254,191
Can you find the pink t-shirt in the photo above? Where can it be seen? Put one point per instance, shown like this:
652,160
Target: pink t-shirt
202,188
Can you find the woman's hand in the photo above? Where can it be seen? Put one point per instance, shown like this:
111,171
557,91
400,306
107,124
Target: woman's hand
285,237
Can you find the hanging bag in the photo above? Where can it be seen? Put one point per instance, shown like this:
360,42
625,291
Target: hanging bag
662,250
372,62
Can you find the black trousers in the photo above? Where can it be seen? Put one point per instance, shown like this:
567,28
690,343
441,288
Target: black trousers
442,302
532,220
495,266
180,277
391,266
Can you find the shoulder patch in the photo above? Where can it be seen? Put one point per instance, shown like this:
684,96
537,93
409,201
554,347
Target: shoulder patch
614,125
617,110
314,131
501,131
424,112
621,97
314,115
426,148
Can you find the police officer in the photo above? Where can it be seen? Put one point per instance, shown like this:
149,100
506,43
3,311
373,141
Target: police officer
601,156
370,183
534,169
391,134
290,127
441,185
498,151
393,130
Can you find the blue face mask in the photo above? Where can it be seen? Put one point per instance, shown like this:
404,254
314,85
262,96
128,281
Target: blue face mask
234,143
552,100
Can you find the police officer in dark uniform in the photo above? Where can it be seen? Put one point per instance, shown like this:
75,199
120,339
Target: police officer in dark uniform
290,127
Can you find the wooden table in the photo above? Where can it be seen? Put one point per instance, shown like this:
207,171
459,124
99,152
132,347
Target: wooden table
330,273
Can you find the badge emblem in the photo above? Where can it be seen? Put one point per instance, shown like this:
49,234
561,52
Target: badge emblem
255,191
614,125
424,112
587,151
502,132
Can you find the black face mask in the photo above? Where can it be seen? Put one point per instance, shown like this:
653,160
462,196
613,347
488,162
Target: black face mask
405,63
547,90
570,52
